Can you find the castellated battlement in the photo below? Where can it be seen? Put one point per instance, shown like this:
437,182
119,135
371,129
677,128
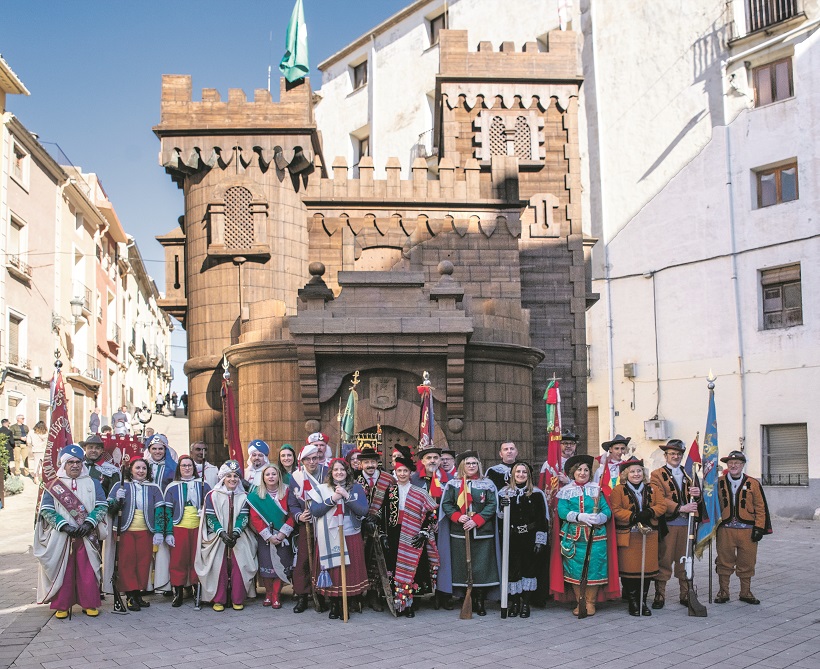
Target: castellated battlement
180,112
561,62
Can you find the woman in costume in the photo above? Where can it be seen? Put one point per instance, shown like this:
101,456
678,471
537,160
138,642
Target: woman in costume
37,445
583,512
66,545
273,525
352,458
217,535
469,503
636,506
528,535
143,527
411,556
162,460
344,503
287,461
183,501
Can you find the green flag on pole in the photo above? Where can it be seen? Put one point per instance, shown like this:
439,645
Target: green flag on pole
349,417
294,64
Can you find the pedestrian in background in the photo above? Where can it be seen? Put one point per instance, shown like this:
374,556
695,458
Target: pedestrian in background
37,443
94,421
21,448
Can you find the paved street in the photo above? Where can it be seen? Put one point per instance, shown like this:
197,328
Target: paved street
782,632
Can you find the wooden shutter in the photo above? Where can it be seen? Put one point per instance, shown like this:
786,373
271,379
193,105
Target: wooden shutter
14,339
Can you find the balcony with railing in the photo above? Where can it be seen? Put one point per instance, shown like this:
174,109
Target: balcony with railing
83,292
762,14
114,334
86,369
18,268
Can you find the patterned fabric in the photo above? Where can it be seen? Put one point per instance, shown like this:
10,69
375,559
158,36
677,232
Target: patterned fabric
418,508
376,494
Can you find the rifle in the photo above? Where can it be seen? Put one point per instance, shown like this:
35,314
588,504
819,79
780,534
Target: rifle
582,586
505,563
467,606
229,553
119,607
311,544
696,609
198,596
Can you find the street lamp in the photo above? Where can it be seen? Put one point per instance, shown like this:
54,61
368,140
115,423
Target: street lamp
76,308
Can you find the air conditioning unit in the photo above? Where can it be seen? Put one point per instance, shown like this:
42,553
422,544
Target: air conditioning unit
37,372
656,430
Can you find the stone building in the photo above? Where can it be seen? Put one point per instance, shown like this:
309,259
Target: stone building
301,268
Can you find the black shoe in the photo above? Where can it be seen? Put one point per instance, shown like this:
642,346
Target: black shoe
634,604
658,602
301,604
645,609
409,613
514,607
749,599
334,610
525,605
179,596
444,600
133,602
142,602
322,603
478,605
168,593
374,601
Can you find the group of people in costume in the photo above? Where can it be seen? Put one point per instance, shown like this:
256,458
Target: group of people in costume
344,533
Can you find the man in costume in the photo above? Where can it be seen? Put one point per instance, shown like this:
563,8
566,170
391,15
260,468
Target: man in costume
321,441
608,465
67,538
303,488
433,479
376,484
569,443
198,451
258,452
677,488
447,462
99,464
744,521
469,504
412,555
162,460
499,474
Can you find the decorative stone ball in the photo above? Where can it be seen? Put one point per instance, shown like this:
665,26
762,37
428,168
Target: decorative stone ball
445,268
316,268
312,426
455,425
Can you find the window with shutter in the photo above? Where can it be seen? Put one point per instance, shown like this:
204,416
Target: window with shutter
782,297
786,455
14,339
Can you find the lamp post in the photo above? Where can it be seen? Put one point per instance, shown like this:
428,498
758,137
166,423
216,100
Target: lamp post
76,308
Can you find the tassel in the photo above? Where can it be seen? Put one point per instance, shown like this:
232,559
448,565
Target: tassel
324,581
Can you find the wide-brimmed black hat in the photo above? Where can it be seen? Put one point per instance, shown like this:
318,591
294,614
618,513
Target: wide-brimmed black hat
569,435
575,461
628,463
448,451
403,450
406,462
467,454
433,449
619,439
369,453
674,445
734,455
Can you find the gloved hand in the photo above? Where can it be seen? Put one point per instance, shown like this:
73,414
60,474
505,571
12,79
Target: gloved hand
369,525
503,500
170,540
586,518
420,539
85,529
757,534
68,529
235,534
385,543
157,539
121,493
644,516
599,518
538,549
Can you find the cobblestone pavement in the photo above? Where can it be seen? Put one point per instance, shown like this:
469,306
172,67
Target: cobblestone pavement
784,631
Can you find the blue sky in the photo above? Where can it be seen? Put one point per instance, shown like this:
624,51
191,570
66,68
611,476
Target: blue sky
94,71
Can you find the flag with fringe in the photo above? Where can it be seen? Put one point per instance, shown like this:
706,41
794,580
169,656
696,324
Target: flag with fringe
709,487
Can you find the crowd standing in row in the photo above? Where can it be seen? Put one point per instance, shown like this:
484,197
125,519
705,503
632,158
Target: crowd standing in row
343,532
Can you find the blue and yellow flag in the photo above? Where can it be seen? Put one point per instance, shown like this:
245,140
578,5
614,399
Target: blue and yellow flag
294,64
709,485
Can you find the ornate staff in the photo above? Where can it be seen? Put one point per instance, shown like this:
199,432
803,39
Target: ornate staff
198,596
119,607
582,589
342,569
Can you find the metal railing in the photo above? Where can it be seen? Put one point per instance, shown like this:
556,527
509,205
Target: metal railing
761,14
114,333
424,146
83,292
786,479
16,262
16,360
92,369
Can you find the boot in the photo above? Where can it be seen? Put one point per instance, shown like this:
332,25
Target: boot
525,605
684,592
577,590
746,592
590,596
335,613
179,595
644,608
301,604
443,600
478,602
276,588
410,611
141,601
660,595
133,601
722,595
515,606
630,591
322,603
374,601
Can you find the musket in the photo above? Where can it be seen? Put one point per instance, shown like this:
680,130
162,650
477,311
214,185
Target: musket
582,586
119,607
505,563
696,609
198,596
229,552
467,606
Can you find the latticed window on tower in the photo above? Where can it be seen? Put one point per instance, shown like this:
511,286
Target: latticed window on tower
498,142
238,218
523,139
509,133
